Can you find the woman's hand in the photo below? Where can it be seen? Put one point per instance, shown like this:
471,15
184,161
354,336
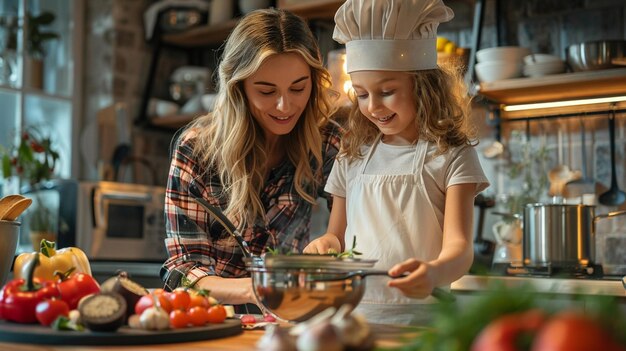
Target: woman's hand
420,281
324,244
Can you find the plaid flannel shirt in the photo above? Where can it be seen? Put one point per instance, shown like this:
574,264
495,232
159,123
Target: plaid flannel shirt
199,246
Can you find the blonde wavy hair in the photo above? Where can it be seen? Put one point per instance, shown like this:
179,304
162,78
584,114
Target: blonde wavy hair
443,114
231,143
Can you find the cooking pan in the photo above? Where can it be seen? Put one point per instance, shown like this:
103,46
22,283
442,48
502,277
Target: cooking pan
295,287
560,235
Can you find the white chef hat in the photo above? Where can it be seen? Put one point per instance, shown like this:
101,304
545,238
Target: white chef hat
390,35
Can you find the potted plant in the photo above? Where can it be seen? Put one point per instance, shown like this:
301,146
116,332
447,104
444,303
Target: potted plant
36,38
33,160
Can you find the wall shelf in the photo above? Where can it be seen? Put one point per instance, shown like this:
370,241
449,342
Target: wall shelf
558,87
213,35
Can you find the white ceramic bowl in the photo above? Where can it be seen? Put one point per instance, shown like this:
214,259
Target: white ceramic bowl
544,68
502,53
497,70
540,58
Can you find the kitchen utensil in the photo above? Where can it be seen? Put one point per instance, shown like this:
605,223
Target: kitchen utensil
583,185
7,202
227,224
286,285
614,196
44,335
561,173
439,293
9,236
296,295
559,235
16,209
594,55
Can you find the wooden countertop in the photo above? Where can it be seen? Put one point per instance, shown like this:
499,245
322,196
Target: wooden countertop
386,336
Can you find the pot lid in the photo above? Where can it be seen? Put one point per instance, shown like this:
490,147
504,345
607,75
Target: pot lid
309,261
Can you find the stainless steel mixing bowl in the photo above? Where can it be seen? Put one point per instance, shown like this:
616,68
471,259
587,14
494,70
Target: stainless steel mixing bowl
594,55
295,295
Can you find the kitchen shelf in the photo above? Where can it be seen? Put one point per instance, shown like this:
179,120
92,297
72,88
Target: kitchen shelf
173,121
213,35
558,87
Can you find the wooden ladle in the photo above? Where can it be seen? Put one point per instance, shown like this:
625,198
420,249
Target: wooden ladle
16,209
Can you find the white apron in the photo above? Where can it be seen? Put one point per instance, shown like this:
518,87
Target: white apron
393,219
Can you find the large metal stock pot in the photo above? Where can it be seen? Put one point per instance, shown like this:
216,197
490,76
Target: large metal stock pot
559,235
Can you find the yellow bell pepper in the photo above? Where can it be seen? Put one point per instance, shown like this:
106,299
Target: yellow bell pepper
52,260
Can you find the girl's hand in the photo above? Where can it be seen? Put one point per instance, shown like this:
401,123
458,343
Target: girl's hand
418,284
324,244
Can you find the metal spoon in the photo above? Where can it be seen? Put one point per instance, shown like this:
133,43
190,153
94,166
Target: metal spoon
438,293
227,224
614,196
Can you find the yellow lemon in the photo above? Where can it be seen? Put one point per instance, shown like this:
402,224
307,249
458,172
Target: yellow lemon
449,48
441,43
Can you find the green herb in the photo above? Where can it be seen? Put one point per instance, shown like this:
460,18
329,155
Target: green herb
349,253
64,323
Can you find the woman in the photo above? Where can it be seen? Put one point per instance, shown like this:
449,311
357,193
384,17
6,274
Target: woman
262,157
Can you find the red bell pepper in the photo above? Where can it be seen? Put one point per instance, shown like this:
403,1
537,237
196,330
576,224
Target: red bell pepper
19,297
74,287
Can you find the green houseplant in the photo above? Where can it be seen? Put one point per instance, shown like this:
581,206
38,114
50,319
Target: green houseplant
33,159
36,37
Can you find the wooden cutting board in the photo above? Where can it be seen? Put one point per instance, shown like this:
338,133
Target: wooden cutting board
38,334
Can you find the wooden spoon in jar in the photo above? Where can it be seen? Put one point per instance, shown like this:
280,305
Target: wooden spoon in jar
7,202
16,209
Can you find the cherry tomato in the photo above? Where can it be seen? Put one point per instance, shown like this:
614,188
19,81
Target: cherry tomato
147,301
47,311
179,319
179,299
504,332
198,316
198,300
217,314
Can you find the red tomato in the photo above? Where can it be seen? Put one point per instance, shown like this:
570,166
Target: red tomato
147,301
573,331
198,316
179,319
217,314
47,311
503,333
179,299
196,299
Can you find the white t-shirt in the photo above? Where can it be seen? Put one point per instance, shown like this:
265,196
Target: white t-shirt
460,165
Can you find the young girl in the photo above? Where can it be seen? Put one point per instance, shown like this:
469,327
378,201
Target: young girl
405,179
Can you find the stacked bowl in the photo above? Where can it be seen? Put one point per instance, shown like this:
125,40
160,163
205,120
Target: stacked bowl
497,63
537,65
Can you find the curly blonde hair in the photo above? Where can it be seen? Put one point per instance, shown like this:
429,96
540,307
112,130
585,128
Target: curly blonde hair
443,113
230,142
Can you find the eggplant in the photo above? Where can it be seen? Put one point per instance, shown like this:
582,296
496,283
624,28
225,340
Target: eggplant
130,290
105,311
